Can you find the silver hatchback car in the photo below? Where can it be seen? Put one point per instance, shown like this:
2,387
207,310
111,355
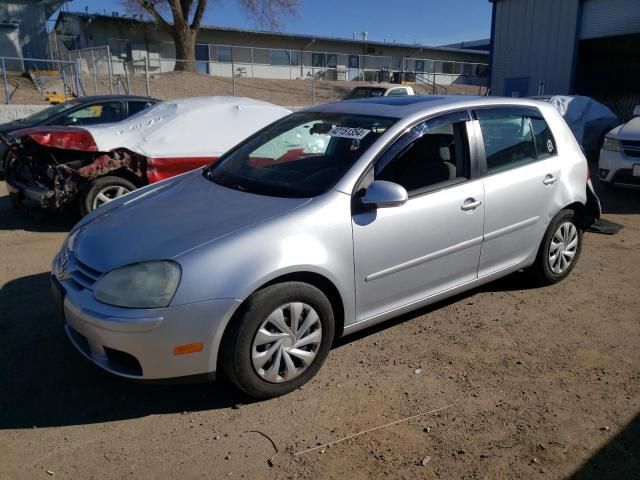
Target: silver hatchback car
325,222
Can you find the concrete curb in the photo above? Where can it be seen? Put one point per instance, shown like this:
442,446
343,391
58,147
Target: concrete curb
12,112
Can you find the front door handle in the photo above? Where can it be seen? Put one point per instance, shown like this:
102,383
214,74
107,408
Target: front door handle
470,204
549,179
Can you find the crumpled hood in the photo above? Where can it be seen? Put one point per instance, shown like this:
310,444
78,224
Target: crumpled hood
627,131
169,219
190,127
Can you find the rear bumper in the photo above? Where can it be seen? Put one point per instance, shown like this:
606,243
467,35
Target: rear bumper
139,343
21,192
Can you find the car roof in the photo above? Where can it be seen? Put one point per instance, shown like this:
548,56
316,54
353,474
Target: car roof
98,98
406,106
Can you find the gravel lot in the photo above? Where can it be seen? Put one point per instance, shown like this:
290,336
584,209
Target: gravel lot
545,384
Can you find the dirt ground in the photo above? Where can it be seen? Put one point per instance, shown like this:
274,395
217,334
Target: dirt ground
167,86
545,383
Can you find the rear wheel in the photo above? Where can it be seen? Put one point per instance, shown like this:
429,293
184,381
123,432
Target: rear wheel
560,249
279,341
102,191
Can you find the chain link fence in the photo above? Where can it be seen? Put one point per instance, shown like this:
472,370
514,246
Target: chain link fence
233,70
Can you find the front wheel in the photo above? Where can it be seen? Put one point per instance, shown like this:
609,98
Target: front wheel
280,339
103,190
560,249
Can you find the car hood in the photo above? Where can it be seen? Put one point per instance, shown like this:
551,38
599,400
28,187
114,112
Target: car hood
627,131
169,219
193,127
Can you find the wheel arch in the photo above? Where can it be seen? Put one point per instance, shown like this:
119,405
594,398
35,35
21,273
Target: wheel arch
322,283
585,218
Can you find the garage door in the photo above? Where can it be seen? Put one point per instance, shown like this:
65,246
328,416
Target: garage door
608,18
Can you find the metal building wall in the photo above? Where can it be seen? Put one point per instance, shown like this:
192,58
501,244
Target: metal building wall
534,40
604,18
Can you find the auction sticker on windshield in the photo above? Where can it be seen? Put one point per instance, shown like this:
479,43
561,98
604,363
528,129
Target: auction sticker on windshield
349,132
636,170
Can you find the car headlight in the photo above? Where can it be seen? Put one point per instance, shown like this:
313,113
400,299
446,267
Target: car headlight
612,144
141,285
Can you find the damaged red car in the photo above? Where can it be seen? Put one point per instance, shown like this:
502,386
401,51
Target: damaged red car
66,168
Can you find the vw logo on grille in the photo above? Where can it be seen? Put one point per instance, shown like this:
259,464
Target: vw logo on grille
63,263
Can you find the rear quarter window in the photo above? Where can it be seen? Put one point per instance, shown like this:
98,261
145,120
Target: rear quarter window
545,143
136,107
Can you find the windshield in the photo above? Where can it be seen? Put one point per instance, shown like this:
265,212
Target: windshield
47,113
366,92
302,155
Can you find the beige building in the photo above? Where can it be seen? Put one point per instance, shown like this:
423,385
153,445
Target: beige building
227,51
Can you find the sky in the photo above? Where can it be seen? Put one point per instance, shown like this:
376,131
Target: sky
428,22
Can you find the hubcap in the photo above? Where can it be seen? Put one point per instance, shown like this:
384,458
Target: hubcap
109,193
287,342
564,245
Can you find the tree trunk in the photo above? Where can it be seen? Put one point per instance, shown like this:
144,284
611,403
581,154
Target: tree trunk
185,40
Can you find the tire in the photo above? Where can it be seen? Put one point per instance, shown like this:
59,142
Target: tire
548,268
249,357
110,187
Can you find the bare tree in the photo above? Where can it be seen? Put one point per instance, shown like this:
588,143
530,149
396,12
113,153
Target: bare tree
182,19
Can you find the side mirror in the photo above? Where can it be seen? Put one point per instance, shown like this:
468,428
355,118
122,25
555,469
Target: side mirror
382,194
636,111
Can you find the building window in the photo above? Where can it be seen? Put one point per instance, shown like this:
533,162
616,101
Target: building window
280,57
319,60
223,54
295,58
120,48
354,61
332,60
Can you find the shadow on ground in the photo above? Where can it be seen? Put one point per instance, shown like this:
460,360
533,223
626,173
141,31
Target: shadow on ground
32,219
618,459
50,384
45,382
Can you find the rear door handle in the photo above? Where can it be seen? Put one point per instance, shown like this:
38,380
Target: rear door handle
549,179
470,204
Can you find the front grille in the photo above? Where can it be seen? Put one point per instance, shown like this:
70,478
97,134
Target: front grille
625,175
82,275
631,148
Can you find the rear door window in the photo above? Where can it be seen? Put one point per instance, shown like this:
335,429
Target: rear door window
508,138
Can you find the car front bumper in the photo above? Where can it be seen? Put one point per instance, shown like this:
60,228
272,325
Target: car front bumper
617,168
139,343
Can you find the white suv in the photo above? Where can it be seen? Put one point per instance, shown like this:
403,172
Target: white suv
620,154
